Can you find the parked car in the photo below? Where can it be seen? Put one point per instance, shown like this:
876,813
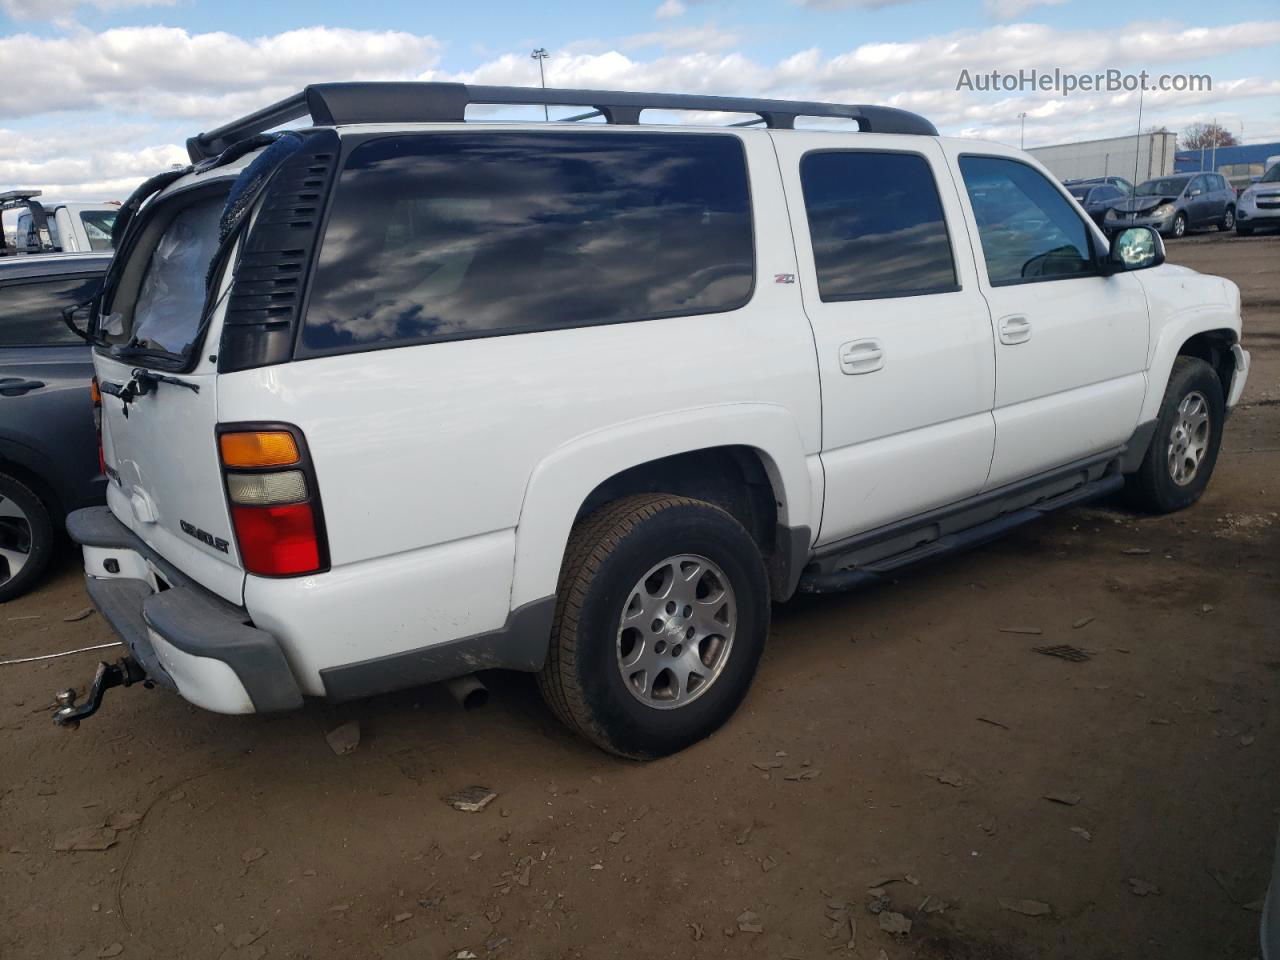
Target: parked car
1120,183
1173,205
1260,204
582,400
54,227
48,442
1097,199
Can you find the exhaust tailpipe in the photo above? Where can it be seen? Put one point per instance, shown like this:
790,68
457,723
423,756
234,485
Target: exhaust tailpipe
470,693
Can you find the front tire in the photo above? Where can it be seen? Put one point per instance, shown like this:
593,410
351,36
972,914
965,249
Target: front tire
1228,220
662,611
1184,449
26,537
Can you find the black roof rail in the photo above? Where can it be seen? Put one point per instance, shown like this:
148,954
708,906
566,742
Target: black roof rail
330,104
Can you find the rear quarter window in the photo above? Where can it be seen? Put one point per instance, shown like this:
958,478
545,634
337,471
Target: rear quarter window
445,236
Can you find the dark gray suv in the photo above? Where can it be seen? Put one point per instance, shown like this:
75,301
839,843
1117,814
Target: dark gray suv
1175,204
49,462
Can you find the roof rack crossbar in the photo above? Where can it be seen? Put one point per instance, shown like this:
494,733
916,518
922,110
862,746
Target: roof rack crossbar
582,116
331,104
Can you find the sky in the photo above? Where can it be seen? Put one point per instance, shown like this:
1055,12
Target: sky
98,95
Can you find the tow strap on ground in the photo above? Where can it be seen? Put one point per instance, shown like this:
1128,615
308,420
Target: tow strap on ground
64,653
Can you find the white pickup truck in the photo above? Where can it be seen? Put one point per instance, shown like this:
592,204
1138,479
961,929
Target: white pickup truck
56,227
395,398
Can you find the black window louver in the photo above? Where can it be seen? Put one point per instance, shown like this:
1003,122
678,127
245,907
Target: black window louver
266,296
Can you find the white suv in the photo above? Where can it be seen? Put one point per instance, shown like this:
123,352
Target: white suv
397,397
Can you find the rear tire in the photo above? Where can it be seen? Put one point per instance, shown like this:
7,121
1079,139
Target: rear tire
1228,220
1184,448
661,616
26,537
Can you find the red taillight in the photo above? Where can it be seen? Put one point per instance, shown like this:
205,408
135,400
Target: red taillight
277,541
273,498
95,396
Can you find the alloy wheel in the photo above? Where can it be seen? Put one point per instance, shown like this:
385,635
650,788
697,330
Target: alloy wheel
15,539
1188,438
676,631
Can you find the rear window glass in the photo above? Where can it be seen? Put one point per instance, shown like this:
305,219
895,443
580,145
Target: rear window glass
31,312
171,298
876,224
444,236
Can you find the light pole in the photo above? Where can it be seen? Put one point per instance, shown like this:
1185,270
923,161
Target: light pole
541,54
1022,132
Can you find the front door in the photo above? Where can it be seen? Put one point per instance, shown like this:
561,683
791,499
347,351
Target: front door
1071,344
902,332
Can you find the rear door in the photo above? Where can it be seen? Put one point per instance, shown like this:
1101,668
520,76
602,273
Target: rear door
903,335
44,383
160,446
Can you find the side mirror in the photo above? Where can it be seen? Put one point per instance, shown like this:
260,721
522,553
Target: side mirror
1135,248
79,318
1195,193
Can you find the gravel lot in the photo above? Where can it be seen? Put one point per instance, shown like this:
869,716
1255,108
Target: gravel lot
905,736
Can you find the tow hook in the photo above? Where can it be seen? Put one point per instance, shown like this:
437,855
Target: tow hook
125,672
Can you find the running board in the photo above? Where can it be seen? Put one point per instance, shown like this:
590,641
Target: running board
875,571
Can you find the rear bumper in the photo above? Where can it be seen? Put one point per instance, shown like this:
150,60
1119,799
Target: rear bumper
185,637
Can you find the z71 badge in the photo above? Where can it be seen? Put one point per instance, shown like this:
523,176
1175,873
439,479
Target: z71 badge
191,530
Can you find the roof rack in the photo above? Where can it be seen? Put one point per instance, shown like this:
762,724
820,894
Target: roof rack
330,104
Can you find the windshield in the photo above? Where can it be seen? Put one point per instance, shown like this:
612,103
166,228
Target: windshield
1272,175
1163,187
171,299
97,226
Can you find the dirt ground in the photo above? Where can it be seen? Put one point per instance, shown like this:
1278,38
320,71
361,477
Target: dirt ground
906,736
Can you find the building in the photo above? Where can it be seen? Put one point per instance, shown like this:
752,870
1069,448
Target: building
1241,165
1115,157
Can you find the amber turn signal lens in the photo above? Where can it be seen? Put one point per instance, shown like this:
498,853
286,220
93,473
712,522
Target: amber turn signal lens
265,448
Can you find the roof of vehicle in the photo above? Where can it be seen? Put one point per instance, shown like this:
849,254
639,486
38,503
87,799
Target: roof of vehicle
340,104
32,265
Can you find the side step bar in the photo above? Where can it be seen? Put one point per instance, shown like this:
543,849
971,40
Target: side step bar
837,581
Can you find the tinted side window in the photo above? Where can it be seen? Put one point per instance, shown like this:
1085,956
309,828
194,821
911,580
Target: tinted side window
31,313
1028,229
876,224
452,235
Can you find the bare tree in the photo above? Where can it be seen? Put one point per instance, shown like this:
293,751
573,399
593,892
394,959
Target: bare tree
1206,136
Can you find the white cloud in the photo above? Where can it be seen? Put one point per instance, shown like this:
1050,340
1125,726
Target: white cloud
684,38
670,9
60,10
1004,10
166,71
163,84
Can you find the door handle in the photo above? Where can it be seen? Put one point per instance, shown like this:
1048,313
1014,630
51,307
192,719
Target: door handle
1015,329
861,356
16,386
